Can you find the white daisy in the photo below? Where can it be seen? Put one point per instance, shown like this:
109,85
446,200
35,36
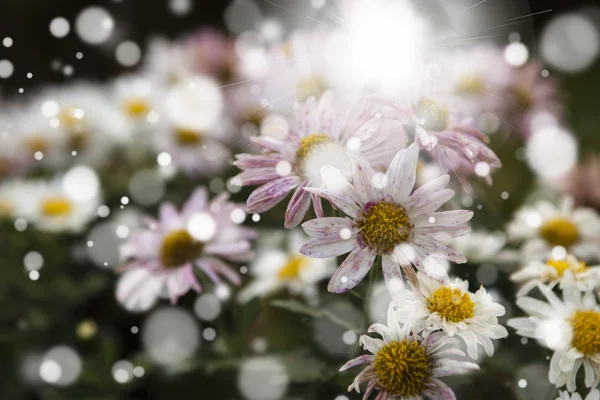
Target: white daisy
544,227
137,99
91,126
14,196
593,395
553,270
319,135
570,327
274,269
480,246
456,311
405,366
387,219
51,208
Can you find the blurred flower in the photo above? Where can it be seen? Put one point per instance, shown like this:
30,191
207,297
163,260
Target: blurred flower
14,196
212,53
544,227
319,135
480,246
584,183
570,327
387,219
138,100
456,311
404,365
552,272
593,395
54,207
163,256
274,269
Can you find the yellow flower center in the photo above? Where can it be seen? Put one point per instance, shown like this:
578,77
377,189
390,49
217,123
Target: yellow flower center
86,329
434,115
451,303
586,331
187,137
255,117
402,368
561,266
311,86
56,206
136,107
71,118
178,248
559,232
470,85
384,226
292,269
309,143
37,143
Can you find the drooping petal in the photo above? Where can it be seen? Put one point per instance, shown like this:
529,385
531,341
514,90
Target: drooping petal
364,359
393,278
329,227
436,248
297,207
267,196
352,270
339,200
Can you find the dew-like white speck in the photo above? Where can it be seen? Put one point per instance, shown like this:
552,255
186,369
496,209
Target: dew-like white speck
164,159
255,217
354,144
238,216
6,69
345,233
128,54
59,27
482,168
94,25
522,383
283,168
7,42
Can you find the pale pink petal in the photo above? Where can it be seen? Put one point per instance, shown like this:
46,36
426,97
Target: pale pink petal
325,248
363,177
427,205
402,173
267,196
341,201
317,205
443,232
364,359
196,203
443,218
393,278
252,161
271,143
423,192
439,390
329,227
223,269
297,207
437,249
169,217
137,289
256,176
352,270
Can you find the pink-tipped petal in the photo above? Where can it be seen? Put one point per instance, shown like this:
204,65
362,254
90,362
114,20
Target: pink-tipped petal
297,207
352,270
196,203
267,196
329,227
364,359
317,205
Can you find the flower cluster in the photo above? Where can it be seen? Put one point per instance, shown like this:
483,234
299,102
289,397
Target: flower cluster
355,166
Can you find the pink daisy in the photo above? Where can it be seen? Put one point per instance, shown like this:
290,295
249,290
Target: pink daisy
405,366
319,136
162,257
387,219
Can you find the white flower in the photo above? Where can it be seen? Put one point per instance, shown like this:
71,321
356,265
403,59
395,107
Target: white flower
545,227
51,208
274,269
480,246
456,311
570,327
14,196
593,395
138,99
387,219
405,366
552,271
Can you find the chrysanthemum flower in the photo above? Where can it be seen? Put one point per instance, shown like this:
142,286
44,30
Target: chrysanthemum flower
593,395
162,258
456,311
405,366
553,270
387,219
544,226
319,135
52,208
570,327
480,246
275,269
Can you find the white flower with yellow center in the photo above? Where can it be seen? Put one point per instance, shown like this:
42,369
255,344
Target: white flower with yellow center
570,327
593,395
14,196
545,229
456,311
274,269
552,272
55,207
137,98
406,366
387,219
